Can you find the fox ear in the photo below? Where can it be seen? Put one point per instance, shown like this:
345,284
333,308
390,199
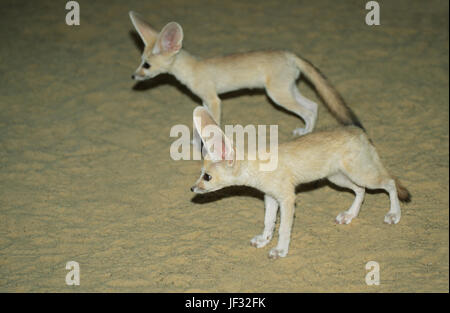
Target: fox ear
170,39
217,144
145,31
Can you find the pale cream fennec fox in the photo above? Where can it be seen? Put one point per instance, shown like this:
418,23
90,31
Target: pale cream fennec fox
345,156
276,71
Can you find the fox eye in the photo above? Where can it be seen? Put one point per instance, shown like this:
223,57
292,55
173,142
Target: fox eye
146,65
207,177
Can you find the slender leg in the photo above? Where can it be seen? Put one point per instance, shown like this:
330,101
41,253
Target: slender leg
286,220
394,214
343,181
311,107
365,169
290,98
214,105
271,206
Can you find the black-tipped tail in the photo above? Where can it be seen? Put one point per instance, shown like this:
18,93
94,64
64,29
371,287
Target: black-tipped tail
403,194
329,94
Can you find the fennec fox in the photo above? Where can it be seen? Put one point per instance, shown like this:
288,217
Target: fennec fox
276,71
345,156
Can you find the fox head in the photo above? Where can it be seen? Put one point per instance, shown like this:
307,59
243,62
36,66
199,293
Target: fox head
220,167
214,176
160,48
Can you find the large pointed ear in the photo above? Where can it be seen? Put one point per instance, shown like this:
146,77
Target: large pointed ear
218,146
145,31
170,39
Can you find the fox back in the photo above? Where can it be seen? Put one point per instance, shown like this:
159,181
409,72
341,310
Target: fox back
308,158
275,71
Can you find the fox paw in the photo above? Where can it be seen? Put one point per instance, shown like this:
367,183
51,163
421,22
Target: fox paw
260,241
276,253
344,218
392,218
300,131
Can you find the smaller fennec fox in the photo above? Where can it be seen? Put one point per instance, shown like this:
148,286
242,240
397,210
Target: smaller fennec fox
345,156
276,71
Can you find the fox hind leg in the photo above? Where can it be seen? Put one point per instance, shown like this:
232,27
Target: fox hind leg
343,181
367,171
394,214
290,98
311,107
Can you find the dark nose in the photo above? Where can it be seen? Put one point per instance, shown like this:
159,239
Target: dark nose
132,76
192,188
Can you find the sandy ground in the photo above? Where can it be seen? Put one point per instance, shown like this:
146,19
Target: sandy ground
86,175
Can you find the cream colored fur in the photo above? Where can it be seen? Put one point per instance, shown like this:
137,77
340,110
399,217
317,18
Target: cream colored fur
275,71
344,156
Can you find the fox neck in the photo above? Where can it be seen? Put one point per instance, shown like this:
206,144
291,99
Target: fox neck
246,173
183,67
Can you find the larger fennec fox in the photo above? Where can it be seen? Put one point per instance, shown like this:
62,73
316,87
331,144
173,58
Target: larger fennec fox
344,156
276,71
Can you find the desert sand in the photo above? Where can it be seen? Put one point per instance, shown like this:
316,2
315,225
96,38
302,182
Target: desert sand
86,175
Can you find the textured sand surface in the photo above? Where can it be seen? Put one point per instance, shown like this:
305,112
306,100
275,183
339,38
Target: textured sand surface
86,175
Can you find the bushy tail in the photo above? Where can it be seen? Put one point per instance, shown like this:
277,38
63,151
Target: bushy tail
332,98
402,192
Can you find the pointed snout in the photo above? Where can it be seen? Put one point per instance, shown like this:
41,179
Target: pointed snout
139,77
197,189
